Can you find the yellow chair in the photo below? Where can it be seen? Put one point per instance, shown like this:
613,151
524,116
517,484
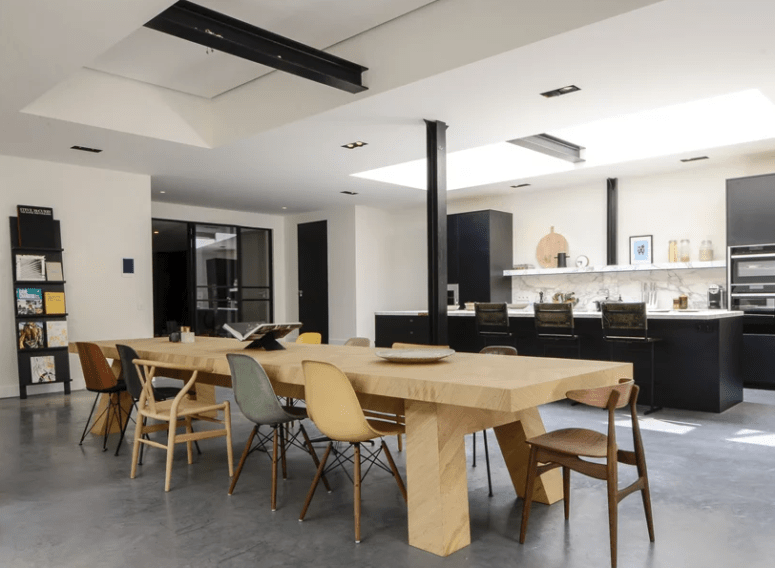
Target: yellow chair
566,448
334,408
310,338
175,413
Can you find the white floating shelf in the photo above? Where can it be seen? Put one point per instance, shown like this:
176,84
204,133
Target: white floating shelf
619,268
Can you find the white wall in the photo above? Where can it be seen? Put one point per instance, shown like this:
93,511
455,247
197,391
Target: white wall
105,216
176,212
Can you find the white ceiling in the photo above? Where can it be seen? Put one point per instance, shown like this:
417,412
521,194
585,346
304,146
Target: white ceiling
165,61
661,54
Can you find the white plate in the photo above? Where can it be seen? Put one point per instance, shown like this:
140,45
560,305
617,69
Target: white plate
414,355
517,305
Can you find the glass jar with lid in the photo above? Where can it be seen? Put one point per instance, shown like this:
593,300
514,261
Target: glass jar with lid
684,251
706,250
672,251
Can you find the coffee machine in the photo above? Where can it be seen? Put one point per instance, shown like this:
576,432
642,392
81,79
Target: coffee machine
716,297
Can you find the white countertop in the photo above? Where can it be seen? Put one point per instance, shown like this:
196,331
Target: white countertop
528,313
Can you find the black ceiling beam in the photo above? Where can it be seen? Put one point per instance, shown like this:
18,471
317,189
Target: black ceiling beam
197,24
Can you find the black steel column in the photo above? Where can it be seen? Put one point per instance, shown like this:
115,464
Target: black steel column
612,185
436,149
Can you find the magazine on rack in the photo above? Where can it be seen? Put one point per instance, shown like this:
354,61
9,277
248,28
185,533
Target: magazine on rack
261,334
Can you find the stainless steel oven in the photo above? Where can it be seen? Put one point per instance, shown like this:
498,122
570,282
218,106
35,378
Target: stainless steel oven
751,289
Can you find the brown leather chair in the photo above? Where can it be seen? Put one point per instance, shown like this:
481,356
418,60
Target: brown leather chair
100,379
565,448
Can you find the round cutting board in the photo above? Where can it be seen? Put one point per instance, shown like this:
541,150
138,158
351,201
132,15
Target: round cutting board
548,247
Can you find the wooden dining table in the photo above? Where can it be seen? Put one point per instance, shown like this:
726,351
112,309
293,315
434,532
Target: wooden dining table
441,402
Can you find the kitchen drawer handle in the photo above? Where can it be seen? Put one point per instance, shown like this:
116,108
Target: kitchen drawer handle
765,255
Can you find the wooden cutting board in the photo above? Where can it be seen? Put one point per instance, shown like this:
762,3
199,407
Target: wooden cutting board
548,247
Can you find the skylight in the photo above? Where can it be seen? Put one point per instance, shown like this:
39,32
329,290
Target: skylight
746,116
470,168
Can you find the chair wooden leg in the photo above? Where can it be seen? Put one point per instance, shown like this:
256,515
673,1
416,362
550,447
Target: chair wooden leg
170,453
487,462
282,451
315,481
566,490
394,469
613,506
136,446
357,490
645,493
530,482
274,466
189,444
313,453
229,449
242,459
91,413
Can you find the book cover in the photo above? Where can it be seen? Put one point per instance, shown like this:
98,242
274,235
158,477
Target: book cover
43,369
31,335
56,333
55,302
30,267
29,301
36,226
54,271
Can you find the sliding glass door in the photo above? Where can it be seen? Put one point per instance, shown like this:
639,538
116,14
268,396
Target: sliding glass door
229,277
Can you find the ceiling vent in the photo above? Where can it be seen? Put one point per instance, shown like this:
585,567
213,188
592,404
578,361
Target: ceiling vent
560,91
695,159
86,149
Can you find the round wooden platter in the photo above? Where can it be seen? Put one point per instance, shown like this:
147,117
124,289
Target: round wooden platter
548,247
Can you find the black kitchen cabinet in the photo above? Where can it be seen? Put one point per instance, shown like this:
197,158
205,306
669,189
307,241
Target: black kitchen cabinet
751,210
479,249
400,329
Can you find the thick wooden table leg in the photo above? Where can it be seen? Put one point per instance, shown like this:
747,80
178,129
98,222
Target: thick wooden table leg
516,453
436,478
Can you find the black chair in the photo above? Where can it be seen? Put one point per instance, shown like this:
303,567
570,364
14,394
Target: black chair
135,387
554,326
626,323
491,350
492,324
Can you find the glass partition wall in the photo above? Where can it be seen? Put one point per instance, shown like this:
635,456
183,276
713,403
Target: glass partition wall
228,276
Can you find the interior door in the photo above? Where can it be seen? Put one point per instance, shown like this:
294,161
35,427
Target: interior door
313,277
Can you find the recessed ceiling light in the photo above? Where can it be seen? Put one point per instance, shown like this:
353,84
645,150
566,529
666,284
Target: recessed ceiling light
520,185
156,232
560,91
694,159
349,192
86,149
162,192
285,208
353,145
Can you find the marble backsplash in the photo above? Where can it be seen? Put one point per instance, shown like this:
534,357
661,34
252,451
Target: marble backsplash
589,287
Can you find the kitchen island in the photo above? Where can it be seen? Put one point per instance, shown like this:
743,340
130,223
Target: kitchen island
697,361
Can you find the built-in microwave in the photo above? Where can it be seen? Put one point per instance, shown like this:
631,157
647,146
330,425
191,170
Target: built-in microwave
751,278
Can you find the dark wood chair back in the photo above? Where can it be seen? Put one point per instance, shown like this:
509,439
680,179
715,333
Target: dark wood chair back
554,319
625,320
96,371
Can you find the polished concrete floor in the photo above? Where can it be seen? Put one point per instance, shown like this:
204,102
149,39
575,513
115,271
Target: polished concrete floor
712,480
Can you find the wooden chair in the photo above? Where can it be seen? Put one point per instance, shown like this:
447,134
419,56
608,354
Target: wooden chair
507,350
554,325
397,345
565,448
358,342
492,323
134,385
100,379
256,399
626,323
310,338
334,408
175,413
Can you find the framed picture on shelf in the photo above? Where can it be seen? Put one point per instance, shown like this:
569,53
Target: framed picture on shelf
640,250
